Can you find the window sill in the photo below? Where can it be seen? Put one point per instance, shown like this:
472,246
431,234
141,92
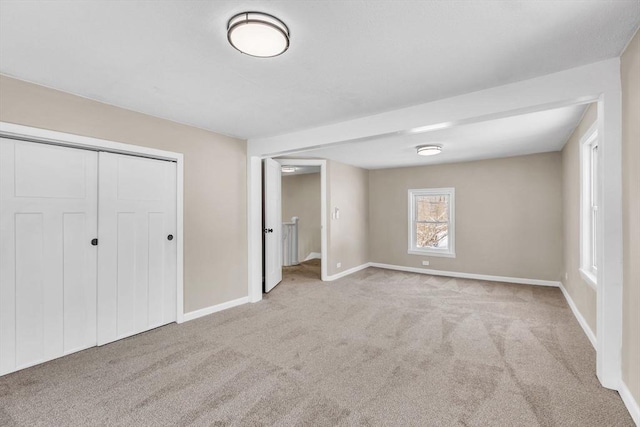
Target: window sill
432,253
590,278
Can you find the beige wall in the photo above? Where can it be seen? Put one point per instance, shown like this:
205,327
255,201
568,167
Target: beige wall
215,241
583,295
301,198
508,215
630,76
347,239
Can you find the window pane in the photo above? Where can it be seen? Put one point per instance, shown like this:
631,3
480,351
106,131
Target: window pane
594,203
432,235
594,175
432,208
594,242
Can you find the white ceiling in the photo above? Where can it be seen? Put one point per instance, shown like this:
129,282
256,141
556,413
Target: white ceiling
347,59
538,132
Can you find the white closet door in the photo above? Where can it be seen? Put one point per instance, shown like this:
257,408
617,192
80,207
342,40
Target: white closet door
48,212
137,245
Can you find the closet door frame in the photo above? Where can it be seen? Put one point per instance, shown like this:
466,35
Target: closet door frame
27,133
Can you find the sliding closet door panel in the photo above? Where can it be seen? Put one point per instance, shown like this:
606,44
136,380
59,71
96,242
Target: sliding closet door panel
48,215
137,265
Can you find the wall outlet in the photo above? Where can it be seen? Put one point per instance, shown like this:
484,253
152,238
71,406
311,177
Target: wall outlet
425,262
338,265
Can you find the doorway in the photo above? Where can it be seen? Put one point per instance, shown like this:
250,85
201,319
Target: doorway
309,209
301,227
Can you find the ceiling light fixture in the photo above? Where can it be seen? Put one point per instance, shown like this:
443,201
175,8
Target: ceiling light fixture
288,169
258,34
429,150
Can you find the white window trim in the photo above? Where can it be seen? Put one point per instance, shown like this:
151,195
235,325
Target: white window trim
589,277
413,250
588,271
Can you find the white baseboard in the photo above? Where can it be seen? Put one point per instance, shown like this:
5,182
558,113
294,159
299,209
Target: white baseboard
346,272
214,308
518,280
581,320
313,255
630,403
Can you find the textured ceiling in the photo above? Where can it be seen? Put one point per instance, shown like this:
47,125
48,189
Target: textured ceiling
347,59
531,133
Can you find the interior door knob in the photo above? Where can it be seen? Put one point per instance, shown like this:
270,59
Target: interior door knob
94,242
170,237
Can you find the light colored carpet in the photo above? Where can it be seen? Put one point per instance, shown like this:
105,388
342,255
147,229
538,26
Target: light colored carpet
374,348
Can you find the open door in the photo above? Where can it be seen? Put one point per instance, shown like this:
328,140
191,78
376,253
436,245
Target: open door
272,222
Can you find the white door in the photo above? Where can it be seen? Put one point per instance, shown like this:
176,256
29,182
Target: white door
137,245
48,213
272,224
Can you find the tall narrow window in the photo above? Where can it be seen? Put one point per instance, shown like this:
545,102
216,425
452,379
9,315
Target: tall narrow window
431,222
589,206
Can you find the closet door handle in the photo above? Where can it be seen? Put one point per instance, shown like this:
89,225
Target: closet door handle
94,242
170,237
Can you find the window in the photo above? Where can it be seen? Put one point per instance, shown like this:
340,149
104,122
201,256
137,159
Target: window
431,222
589,206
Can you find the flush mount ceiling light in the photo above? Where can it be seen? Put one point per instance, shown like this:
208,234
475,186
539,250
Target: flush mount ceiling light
288,169
258,34
429,150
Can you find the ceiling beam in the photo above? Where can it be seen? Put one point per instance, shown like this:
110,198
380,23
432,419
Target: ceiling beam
576,85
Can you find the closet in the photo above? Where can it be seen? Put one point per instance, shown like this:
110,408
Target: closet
87,249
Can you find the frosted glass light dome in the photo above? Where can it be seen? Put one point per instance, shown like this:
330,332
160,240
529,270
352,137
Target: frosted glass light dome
258,34
429,150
